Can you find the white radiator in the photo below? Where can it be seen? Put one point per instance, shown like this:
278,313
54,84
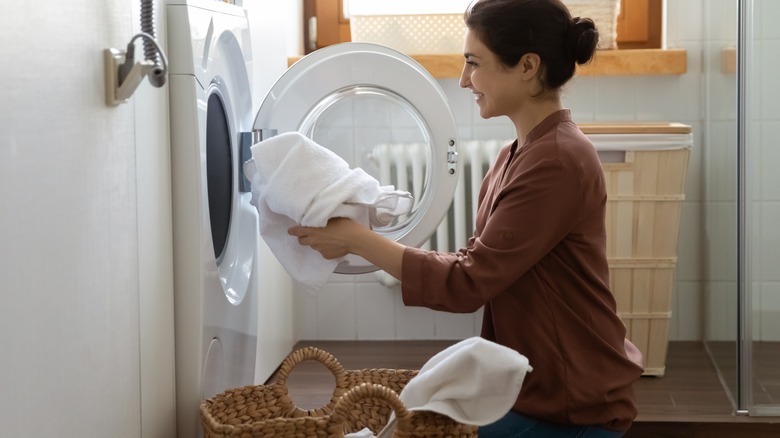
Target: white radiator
403,165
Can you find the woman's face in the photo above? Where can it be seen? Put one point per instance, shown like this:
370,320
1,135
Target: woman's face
498,89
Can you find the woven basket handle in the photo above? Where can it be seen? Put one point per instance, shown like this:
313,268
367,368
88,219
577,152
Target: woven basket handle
346,405
327,359
312,353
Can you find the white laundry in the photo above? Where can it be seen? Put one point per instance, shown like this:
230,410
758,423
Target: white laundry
474,382
362,433
297,181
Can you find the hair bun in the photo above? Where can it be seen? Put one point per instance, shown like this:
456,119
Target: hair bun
582,39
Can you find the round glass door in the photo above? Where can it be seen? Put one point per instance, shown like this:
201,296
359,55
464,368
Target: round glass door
380,111
354,122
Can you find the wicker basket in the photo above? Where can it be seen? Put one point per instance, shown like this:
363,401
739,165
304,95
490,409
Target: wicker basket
361,399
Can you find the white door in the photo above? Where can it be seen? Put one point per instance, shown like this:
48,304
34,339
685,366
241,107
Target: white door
381,111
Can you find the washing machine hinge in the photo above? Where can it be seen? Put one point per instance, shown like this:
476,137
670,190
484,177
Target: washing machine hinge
452,157
246,140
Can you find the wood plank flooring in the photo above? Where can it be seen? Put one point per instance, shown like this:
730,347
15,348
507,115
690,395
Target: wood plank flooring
687,402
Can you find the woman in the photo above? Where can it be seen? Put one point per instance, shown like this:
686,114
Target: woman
537,260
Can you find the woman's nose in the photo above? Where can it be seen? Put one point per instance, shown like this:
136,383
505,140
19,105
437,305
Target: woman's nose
464,79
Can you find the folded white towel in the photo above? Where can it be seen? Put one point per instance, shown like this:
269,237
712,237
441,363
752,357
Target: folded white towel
474,381
297,181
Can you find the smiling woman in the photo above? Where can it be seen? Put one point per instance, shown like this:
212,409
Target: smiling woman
536,265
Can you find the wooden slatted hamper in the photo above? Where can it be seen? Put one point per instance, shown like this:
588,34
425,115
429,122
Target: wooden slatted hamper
645,167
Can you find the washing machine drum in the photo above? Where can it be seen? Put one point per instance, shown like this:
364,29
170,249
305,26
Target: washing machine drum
381,111
219,174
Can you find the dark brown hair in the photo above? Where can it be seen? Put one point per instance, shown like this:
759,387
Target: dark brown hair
512,28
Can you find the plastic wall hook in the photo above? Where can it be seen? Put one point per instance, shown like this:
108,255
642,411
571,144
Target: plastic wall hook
117,92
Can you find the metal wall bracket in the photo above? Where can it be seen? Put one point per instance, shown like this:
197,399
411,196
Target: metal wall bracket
119,90
246,141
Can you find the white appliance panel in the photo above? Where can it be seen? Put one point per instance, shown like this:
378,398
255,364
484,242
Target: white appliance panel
217,272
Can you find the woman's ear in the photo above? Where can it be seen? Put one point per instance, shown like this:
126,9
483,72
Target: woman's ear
529,65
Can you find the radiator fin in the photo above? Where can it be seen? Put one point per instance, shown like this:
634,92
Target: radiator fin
403,165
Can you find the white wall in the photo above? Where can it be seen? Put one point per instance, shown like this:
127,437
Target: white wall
86,290
155,244
85,230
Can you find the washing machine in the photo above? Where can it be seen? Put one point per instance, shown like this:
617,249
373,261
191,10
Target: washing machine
226,283
368,103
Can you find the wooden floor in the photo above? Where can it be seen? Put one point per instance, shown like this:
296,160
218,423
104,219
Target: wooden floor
688,401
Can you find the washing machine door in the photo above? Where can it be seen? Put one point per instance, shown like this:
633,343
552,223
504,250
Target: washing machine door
381,111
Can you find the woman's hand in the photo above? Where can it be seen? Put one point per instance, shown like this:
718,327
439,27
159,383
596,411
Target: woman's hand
332,241
342,236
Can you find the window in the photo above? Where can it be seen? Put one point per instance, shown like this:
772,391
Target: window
639,24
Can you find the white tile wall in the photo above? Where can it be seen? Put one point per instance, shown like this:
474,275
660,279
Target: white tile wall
720,238
616,97
687,310
376,318
685,20
769,88
720,300
767,312
689,262
767,236
764,178
770,161
580,96
767,12
719,180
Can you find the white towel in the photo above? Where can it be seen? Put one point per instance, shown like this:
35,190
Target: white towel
474,382
297,181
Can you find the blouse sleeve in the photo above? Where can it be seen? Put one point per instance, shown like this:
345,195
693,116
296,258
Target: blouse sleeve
536,209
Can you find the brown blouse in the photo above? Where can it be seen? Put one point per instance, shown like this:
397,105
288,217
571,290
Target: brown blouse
537,263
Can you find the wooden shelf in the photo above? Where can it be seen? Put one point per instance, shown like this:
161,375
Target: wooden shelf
635,128
623,62
626,62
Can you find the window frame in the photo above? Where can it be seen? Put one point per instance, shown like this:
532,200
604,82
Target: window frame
639,25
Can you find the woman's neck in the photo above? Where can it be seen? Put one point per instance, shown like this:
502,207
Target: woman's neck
532,114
